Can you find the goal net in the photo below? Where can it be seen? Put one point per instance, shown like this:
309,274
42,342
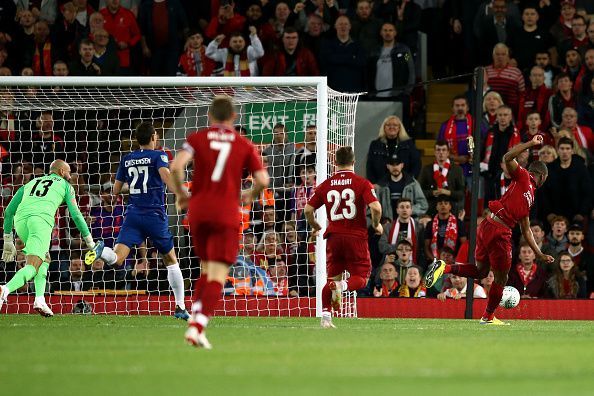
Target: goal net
296,123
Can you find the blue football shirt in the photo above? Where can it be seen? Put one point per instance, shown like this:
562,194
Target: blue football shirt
140,169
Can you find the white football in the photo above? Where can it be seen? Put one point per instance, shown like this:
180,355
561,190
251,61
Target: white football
510,298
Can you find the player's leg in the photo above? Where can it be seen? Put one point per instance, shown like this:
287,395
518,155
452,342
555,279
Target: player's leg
130,235
176,281
335,267
219,253
201,281
157,229
358,266
500,262
115,256
36,235
438,268
40,281
203,309
199,234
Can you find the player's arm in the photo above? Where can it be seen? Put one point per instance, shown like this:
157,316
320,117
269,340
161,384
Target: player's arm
78,218
529,237
166,177
510,157
9,250
308,212
117,187
376,215
261,181
370,199
177,168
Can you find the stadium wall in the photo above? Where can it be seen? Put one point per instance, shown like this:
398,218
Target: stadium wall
366,307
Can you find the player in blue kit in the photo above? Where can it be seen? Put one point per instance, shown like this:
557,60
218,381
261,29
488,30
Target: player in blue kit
146,171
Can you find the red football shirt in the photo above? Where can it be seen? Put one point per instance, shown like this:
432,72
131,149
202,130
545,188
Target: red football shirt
515,204
220,155
345,196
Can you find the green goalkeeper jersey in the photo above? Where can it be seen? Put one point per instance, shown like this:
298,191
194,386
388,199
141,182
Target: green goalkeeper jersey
42,197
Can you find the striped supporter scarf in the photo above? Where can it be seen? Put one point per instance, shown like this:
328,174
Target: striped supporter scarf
451,234
451,132
440,174
237,65
411,236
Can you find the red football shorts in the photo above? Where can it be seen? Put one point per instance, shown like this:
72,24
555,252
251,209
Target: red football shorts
347,252
493,245
215,242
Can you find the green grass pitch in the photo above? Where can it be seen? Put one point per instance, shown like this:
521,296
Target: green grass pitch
138,356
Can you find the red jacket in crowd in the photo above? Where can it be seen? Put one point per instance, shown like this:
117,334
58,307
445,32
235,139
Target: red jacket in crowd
305,63
123,27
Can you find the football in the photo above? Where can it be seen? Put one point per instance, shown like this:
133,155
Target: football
510,298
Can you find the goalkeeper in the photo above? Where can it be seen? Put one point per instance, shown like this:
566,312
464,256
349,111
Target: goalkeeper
32,211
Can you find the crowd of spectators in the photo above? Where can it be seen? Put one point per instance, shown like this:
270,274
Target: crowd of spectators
539,79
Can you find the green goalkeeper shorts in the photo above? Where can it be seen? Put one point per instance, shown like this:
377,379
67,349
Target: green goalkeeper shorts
36,234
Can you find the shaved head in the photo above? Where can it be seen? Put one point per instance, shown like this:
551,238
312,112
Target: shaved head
60,168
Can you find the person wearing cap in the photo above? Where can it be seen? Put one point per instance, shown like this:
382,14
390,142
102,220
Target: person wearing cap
443,177
445,229
399,185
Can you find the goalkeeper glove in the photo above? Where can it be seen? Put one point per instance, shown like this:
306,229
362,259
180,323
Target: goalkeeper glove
89,241
9,250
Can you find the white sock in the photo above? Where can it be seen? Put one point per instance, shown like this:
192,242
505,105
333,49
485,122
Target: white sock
109,255
40,300
176,281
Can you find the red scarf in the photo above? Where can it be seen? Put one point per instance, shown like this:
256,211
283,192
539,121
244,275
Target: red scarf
410,234
513,140
451,234
526,277
47,60
441,177
502,184
580,137
188,63
243,66
386,291
451,132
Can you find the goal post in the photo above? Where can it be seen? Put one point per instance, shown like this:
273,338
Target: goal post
89,121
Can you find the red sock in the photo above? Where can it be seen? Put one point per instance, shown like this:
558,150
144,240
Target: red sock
495,294
211,294
355,282
467,270
327,297
199,286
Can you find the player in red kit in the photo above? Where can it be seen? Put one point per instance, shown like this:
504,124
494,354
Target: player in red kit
493,243
220,155
346,197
